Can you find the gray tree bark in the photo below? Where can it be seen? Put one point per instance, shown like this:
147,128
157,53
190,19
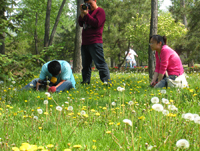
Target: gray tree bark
35,34
2,44
47,24
2,34
153,31
56,22
77,60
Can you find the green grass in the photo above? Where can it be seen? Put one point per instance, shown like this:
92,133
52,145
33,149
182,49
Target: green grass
102,127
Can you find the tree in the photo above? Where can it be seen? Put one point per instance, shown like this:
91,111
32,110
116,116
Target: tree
77,61
153,31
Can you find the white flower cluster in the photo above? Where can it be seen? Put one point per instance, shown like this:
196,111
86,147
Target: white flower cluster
127,121
191,117
120,89
182,143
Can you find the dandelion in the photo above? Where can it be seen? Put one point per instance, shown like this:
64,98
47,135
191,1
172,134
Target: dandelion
130,103
66,102
83,112
46,102
127,121
113,104
195,115
120,89
165,112
47,94
182,143
197,120
39,111
35,118
172,107
165,101
105,83
50,145
77,146
13,82
70,108
67,150
189,116
150,147
163,91
108,132
83,99
155,100
59,108
157,107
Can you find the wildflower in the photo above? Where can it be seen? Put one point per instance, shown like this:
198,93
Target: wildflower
77,146
59,108
46,102
150,147
141,118
108,132
97,114
163,91
113,104
172,107
94,141
165,101
66,102
35,118
40,128
197,120
70,108
94,147
39,111
47,94
50,145
120,89
157,107
165,112
195,115
127,121
83,99
155,100
182,143
130,103
83,112
67,150
188,116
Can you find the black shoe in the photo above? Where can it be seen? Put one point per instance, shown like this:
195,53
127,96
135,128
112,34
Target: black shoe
83,82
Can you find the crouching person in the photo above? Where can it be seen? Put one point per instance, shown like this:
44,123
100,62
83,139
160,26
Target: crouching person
55,75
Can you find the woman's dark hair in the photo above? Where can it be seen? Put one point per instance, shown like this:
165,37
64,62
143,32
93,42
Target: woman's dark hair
159,39
54,68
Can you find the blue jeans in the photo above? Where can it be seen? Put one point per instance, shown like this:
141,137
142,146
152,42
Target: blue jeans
129,61
163,82
94,52
65,86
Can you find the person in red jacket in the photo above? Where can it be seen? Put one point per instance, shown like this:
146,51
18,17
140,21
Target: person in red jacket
92,20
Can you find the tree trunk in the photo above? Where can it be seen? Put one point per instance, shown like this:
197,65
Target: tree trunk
77,61
2,34
56,22
153,31
47,27
35,35
2,44
184,16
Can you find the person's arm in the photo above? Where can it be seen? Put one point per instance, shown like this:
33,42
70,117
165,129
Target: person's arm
97,21
61,82
160,77
155,76
83,13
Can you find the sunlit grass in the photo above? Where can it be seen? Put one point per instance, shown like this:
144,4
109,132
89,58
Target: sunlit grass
91,117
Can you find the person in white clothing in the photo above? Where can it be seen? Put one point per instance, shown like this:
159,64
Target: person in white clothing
130,58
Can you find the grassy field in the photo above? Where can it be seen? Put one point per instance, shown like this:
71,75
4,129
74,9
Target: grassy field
125,116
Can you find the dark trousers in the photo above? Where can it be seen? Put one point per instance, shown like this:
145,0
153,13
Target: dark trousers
94,52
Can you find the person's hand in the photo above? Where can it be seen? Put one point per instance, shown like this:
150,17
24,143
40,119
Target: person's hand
83,12
37,86
47,86
153,83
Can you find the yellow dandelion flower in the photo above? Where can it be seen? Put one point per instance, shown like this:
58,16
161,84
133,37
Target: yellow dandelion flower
94,141
171,101
25,101
38,97
122,105
141,118
68,144
51,105
15,149
94,147
85,115
152,94
92,110
111,123
108,132
46,113
77,146
50,145
40,148
117,108
194,95
104,108
118,124
32,110
40,128
97,114
67,150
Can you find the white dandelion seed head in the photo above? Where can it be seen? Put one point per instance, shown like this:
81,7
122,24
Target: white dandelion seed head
189,116
165,101
150,147
1,82
120,89
70,108
195,115
83,99
66,102
113,104
165,112
39,111
130,103
35,118
172,107
105,83
47,94
163,91
127,121
183,115
197,120
46,102
13,82
182,143
157,107
83,112
155,100
59,108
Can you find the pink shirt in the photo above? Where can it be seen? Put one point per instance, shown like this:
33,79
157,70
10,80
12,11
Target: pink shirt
170,61
95,21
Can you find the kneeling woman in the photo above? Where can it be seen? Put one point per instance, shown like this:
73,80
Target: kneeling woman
167,60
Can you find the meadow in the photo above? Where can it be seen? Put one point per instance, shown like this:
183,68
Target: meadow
129,115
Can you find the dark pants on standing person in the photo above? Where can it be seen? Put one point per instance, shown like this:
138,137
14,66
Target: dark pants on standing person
94,52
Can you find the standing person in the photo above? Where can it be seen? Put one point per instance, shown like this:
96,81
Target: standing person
92,20
60,74
130,58
166,60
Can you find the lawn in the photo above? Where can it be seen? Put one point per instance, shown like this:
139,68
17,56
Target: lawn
129,115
